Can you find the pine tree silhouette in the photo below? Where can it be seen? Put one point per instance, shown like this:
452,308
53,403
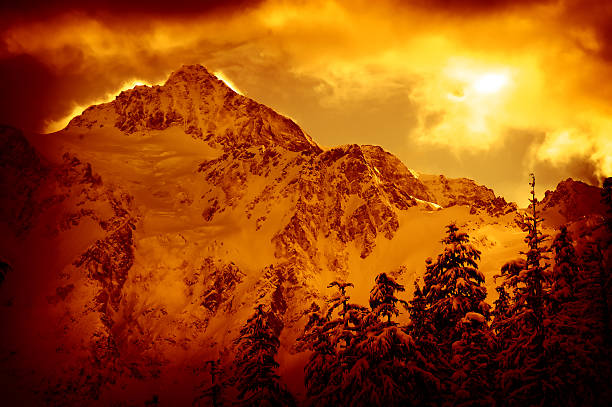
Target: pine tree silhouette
566,268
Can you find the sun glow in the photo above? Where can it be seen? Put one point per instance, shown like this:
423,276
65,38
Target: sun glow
490,83
221,76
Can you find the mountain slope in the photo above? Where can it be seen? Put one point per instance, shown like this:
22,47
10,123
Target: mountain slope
159,221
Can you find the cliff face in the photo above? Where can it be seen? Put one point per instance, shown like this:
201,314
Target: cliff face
138,240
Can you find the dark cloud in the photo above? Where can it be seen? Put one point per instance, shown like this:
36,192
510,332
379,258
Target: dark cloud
581,168
34,92
474,6
28,9
27,91
595,15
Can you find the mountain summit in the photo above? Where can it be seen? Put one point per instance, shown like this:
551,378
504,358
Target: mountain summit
202,106
161,219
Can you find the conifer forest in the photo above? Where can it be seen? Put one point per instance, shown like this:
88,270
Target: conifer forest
544,342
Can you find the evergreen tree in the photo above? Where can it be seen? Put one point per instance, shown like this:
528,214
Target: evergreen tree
328,336
453,285
384,366
344,325
473,379
417,309
571,344
566,268
426,360
534,274
383,301
592,304
523,376
503,324
320,373
501,307
258,384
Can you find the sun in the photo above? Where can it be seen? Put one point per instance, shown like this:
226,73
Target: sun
490,83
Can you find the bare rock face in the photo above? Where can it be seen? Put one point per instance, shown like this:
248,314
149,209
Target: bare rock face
392,170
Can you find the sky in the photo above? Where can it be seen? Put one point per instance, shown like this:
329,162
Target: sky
490,90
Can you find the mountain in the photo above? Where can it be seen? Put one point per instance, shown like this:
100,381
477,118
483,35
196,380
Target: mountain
138,240
572,201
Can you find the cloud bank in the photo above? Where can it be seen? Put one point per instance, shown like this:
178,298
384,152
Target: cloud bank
490,90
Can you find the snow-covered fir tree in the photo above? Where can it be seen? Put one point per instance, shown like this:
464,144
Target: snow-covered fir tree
523,376
572,344
428,364
320,373
509,294
501,307
473,362
258,384
566,268
420,324
453,285
380,365
383,301
327,335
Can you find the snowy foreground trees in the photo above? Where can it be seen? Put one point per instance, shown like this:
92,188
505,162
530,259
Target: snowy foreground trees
545,342
445,353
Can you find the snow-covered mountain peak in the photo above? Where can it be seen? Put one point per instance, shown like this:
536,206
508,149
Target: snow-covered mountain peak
203,107
192,74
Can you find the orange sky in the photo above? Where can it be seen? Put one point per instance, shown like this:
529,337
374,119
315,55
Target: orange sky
490,90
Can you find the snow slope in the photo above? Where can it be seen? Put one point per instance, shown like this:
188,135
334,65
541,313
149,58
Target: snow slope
154,224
